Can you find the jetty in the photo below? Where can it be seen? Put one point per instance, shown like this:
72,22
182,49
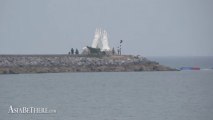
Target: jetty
15,64
98,57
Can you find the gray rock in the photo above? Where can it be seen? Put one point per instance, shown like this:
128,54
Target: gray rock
10,64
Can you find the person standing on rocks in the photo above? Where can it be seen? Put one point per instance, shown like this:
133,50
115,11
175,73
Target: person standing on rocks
118,51
72,51
76,51
113,51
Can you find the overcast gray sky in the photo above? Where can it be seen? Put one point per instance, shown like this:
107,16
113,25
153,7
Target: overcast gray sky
148,27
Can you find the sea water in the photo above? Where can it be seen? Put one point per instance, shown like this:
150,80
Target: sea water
178,95
204,62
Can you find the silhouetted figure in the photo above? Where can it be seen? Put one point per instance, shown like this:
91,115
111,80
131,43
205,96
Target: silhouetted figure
118,51
113,51
72,51
76,52
68,53
121,41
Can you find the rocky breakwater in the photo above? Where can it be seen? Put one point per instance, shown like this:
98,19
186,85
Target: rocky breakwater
12,64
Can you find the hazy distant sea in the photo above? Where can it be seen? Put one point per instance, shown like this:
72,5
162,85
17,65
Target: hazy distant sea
179,95
177,62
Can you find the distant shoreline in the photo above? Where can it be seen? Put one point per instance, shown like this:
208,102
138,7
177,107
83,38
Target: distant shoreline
49,63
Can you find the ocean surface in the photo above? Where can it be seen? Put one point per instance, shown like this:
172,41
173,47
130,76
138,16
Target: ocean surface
205,62
178,95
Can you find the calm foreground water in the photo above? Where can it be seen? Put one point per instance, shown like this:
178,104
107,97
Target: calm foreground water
184,95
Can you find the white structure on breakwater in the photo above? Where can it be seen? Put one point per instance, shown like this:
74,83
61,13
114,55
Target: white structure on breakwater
101,40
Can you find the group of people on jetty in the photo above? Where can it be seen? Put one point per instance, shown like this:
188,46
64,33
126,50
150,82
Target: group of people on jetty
76,51
73,52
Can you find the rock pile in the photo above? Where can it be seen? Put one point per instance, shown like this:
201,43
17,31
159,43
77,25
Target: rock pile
76,63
